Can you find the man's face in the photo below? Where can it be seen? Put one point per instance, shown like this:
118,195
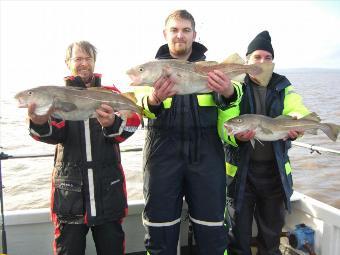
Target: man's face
179,35
81,64
260,56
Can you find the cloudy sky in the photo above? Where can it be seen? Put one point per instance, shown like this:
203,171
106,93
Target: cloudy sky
35,34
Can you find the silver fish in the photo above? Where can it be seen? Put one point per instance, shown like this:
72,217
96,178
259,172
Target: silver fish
75,103
272,129
191,77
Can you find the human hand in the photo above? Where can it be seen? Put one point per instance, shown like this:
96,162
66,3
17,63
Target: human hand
38,119
293,134
245,135
163,88
105,115
220,83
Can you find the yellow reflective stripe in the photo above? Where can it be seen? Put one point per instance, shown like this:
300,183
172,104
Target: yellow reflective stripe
230,169
288,168
238,87
232,141
167,103
225,252
146,110
293,105
224,116
206,100
203,100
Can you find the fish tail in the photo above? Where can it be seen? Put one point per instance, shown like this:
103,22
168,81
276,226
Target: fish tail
331,130
130,95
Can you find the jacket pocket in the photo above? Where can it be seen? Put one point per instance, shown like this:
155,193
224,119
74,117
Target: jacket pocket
113,195
68,196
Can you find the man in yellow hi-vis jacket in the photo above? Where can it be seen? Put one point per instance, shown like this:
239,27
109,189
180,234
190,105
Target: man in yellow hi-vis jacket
260,178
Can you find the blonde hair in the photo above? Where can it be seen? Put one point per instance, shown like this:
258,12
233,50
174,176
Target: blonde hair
181,14
85,46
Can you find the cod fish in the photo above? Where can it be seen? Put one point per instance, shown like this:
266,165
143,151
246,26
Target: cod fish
272,129
191,77
71,103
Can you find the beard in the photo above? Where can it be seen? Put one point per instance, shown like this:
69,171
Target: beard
180,49
85,74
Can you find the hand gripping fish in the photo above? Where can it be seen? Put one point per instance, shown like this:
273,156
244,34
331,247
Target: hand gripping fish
192,77
71,103
272,129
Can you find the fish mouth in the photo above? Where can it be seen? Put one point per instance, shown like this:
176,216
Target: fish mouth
135,79
21,104
229,130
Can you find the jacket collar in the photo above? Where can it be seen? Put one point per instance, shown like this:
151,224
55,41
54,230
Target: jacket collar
76,81
197,53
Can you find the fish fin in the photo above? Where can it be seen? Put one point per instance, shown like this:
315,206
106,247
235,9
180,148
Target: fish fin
93,115
266,130
204,67
252,141
64,106
312,131
125,114
239,78
167,71
284,117
312,116
331,130
234,59
57,115
206,63
260,142
262,73
130,95
42,110
101,89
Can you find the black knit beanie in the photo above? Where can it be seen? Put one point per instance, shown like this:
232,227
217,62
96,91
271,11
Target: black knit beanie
261,42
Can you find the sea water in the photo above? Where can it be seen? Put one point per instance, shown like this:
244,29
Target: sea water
27,181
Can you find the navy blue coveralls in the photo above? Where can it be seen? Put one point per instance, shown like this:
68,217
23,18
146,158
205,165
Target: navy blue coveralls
183,157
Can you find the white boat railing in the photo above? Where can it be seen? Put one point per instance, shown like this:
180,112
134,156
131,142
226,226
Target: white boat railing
315,148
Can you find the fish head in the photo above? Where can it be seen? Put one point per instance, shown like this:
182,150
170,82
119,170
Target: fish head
145,74
40,96
237,125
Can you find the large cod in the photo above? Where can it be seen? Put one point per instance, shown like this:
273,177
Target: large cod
75,103
191,77
272,129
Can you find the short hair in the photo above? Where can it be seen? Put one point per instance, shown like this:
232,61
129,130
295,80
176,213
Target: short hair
85,46
181,14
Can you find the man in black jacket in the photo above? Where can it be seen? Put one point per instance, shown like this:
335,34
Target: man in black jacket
183,153
260,176
88,186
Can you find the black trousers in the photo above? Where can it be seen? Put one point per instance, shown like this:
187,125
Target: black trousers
263,200
70,239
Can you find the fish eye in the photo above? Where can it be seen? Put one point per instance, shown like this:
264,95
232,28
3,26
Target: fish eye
30,93
141,69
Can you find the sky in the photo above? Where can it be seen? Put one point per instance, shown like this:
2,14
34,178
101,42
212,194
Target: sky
35,34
